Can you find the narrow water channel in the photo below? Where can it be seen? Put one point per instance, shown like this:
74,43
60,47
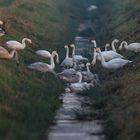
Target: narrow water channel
68,127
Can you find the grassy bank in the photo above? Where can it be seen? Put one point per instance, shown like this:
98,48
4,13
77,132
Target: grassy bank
118,97
28,100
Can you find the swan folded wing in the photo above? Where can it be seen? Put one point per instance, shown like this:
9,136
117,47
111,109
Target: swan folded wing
43,53
118,63
67,63
39,66
109,55
71,78
13,44
134,47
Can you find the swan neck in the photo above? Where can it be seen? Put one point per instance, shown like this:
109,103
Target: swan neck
125,44
102,58
73,52
67,53
80,78
52,62
23,42
94,44
94,57
113,46
88,70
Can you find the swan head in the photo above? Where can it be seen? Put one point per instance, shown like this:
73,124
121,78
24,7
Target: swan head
66,46
1,22
72,45
107,45
88,64
67,90
115,40
54,53
94,42
82,65
92,7
27,39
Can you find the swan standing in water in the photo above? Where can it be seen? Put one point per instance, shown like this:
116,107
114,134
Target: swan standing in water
79,86
44,67
15,45
67,62
108,55
69,75
4,54
44,53
114,63
78,58
135,47
1,22
88,76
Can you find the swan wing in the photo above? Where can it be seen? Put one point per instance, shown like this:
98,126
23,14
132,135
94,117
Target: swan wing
109,55
14,44
39,66
67,63
134,47
43,53
117,63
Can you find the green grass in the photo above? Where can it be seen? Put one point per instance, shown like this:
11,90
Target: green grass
118,98
28,100
5,2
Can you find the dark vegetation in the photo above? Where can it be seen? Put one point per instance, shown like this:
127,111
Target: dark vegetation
28,99
118,97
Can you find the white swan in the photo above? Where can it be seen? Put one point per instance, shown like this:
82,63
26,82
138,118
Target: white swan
114,63
79,86
44,53
78,58
69,75
135,47
108,55
15,45
88,76
94,57
67,62
44,67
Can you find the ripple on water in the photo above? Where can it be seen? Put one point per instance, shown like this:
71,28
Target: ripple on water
67,127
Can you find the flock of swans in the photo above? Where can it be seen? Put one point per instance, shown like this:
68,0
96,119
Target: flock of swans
75,68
